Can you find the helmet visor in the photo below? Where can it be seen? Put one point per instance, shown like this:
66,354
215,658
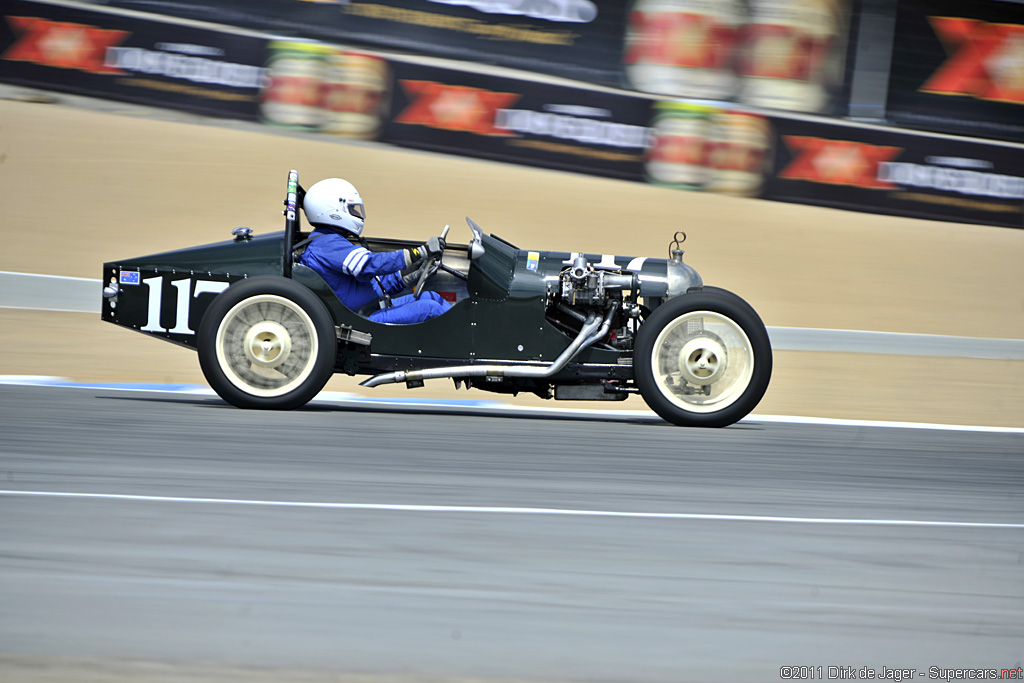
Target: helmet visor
357,210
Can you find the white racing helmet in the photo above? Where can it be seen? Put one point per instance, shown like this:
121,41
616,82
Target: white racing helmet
335,203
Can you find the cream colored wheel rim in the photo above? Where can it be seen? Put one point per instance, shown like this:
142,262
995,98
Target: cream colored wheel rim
702,362
267,345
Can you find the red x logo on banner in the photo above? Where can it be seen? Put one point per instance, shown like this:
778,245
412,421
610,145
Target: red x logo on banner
837,162
988,61
62,44
454,107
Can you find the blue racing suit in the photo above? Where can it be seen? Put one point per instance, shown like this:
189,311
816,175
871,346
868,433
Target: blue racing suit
353,272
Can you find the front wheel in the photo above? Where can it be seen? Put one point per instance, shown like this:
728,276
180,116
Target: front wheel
267,342
703,359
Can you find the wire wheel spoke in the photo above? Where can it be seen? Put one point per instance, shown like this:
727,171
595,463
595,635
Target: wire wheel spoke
703,361
267,345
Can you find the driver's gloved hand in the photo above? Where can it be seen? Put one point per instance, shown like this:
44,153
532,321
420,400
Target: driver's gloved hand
433,247
410,276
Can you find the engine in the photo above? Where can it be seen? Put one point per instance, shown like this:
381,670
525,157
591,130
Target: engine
583,285
584,288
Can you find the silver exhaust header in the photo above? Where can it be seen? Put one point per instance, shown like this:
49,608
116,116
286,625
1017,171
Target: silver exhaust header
593,330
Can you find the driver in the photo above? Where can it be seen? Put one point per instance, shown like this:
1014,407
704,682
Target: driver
358,276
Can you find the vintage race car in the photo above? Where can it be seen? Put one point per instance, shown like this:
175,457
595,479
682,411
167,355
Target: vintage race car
270,332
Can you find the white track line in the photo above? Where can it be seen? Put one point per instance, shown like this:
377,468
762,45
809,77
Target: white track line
513,510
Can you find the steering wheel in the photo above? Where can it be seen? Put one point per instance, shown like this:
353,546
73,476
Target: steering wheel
429,268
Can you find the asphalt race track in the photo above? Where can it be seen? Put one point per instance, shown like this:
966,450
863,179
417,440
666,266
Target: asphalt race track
416,545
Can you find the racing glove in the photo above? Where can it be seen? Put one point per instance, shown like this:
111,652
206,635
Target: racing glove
410,276
429,249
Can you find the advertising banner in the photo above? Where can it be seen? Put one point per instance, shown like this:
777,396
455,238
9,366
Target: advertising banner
958,67
701,147
575,129
775,54
104,54
579,39
906,174
322,88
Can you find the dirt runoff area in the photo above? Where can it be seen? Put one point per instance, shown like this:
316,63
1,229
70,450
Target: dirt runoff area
80,186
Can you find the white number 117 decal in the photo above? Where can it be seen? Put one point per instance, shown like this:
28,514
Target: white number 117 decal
156,290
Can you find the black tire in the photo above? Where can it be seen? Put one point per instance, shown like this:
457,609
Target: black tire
703,359
267,342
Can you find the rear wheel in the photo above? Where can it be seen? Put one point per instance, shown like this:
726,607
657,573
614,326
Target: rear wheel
267,342
703,359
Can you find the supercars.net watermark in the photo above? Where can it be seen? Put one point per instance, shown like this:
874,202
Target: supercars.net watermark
866,673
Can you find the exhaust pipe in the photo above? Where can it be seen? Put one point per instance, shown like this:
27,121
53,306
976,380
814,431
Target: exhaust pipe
593,330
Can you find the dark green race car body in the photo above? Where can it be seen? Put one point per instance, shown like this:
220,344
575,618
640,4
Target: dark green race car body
270,331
